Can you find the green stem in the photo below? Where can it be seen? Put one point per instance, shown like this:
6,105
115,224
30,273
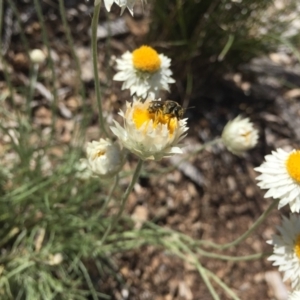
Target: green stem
1,21
108,47
196,244
17,14
263,216
200,268
12,233
117,245
8,79
224,286
88,280
95,67
46,42
32,83
231,258
71,44
202,272
80,134
109,196
25,265
123,201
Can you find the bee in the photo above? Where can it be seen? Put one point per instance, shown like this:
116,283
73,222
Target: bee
168,107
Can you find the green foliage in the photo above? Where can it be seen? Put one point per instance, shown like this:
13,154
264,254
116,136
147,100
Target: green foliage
51,222
212,33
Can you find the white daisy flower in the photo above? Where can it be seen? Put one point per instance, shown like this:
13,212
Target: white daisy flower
239,135
286,251
150,135
122,3
107,3
144,72
104,158
295,295
281,176
127,3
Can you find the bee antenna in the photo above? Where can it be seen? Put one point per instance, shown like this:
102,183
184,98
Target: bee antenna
189,107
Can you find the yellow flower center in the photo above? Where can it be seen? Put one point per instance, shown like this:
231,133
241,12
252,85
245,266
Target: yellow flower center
141,116
297,246
146,59
98,154
293,165
246,135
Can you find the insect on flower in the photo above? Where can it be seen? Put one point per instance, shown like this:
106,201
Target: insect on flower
152,129
168,108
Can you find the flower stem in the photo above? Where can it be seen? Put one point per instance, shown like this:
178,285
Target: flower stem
123,201
109,196
224,286
45,38
198,265
203,273
232,258
95,66
32,84
263,216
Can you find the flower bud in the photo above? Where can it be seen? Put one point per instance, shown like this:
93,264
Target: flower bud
104,158
37,56
239,135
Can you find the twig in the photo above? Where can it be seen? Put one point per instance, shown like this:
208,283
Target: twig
95,67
